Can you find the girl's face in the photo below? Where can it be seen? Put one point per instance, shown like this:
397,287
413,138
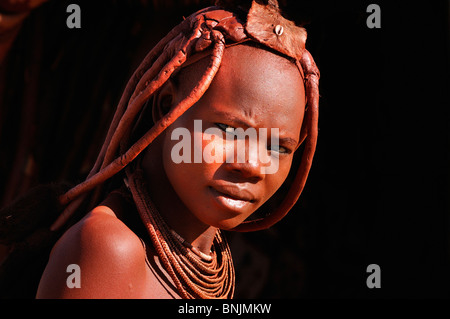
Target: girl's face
224,177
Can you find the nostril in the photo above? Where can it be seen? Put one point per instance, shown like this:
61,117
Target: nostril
247,172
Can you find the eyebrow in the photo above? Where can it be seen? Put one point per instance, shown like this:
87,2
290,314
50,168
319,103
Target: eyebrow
239,121
232,118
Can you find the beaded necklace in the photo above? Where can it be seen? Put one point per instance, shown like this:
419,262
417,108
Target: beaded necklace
195,274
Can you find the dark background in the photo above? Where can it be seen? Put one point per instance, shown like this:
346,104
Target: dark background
378,190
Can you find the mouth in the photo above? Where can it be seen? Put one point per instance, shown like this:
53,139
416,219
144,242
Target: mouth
232,197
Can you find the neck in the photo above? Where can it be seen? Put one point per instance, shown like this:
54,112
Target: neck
172,209
181,220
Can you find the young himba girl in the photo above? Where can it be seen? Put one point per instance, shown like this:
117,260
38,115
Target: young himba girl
226,68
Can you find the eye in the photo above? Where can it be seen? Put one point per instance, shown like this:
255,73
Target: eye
279,149
226,128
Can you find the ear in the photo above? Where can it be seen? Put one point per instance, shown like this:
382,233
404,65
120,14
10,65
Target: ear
163,100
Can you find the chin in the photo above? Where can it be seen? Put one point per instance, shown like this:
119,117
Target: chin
224,223
227,225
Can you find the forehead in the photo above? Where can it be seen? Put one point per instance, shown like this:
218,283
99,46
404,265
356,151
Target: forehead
261,86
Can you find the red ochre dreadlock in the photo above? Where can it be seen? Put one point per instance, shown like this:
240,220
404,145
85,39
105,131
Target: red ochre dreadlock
213,27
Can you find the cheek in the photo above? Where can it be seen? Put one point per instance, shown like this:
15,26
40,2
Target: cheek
275,180
187,157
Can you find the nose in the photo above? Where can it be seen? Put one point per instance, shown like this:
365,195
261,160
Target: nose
248,167
249,171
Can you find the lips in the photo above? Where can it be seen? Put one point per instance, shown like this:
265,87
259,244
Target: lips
232,198
234,192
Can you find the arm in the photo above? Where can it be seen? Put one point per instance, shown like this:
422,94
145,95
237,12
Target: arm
110,257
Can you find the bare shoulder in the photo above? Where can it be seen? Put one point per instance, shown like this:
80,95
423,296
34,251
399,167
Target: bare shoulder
109,257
